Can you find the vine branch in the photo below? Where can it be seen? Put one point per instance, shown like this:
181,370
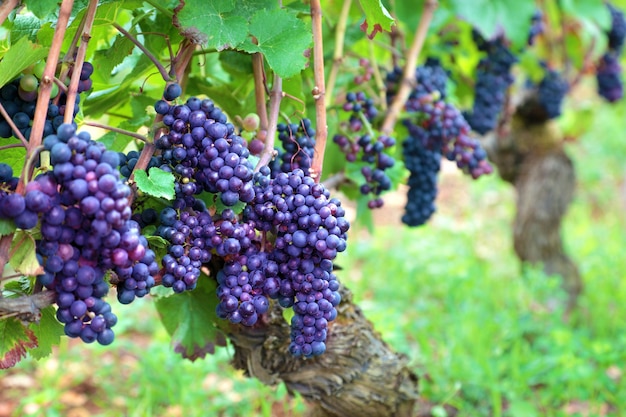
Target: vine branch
259,94
117,130
6,8
409,68
26,308
318,91
72,90
276,96
143,49
340,35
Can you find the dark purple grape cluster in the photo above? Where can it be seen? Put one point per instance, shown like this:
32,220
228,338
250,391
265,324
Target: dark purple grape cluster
430,78
609,69
359,145
310,229
129,160
298,146
617,32
19,98
83,210
423,165
493,78
202,151
537,27
190,234
609,77
551,92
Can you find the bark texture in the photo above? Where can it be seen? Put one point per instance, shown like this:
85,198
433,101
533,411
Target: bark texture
358,375
530,155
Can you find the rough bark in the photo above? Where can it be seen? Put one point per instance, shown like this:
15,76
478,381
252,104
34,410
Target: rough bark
530,155
358,375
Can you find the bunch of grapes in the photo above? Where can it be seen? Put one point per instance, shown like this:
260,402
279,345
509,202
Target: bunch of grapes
310,229
551,92
423,165
430,78
537,27
298,146
19,99
83,210
609,77
617,31
493,78
203,152
609,69
358,144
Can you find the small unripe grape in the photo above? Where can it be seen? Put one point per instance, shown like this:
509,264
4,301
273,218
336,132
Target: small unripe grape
251,122
29,83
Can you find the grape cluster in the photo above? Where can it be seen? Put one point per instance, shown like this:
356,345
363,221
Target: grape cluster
368,71
609,77
129,160
493,78
359,145
310,229
423,165
537,27
84,213
430,78
298,146
617,31
551,92
609,70
201,149
19,99
189,233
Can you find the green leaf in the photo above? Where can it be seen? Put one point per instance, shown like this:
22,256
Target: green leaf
14,340
490,16
190,317
212,24
377,17
25,26
14,157
106,60
23,257
283,42
6,227
157,184
21,55
42,8
48,333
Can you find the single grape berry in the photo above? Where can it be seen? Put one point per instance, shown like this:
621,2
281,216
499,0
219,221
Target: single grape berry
172,92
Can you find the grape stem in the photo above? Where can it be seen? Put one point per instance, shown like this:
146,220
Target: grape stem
117,130
319,92
143,49
29,166
6,8
45,86
408,75
276,96
16,131
340,35
259,94
72,90
12,145
587,62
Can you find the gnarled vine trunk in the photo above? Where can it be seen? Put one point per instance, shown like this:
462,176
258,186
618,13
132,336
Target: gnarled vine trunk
358,375
532,158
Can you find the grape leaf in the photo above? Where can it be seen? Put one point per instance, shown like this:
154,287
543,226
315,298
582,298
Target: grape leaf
189,318
211,23
377,17
23,257
6,227
14,340
283,42
42,8
157,184
48,333
25,26
20,56
14,157
491,16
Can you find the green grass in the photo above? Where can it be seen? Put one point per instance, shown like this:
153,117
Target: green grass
483,336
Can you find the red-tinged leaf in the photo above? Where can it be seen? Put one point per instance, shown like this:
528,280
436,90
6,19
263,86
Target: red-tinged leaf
15,339
377,28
